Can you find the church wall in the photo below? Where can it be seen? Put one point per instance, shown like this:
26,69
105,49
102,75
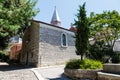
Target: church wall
30,47
50,49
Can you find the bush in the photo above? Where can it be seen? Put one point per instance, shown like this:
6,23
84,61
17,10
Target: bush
116,58
90,64
73,64
84,64
3,57
100,51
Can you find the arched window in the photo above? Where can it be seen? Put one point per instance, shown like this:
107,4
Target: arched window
64,40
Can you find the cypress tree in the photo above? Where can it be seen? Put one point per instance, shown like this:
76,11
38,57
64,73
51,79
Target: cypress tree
82,33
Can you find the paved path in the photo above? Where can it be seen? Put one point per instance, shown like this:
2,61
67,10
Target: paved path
52,73
8,72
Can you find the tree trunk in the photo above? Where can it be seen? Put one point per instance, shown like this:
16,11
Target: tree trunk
81,57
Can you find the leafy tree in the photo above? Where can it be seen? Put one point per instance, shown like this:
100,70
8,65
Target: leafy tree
105,27
15,16
82,33
99,51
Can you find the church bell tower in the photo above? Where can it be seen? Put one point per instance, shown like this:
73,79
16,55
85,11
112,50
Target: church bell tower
55,18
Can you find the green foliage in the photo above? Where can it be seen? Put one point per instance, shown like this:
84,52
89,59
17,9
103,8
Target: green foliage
82,33
73,64
90,64
84,64
105,30
2,54
100,51
116,58
105,26
3,57
3,42
15,16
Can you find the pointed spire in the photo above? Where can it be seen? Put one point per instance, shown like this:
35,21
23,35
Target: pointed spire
55,18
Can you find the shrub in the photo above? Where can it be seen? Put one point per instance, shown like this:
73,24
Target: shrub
116,58
3,57
90,64
100,51
73,64
84,64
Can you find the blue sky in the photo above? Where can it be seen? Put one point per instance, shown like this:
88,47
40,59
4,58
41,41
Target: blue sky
68,8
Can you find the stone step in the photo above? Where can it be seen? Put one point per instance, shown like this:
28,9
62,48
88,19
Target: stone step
108,76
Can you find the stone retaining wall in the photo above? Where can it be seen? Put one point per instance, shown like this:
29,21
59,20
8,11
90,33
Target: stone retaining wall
81,74
111,68
108,76
110,72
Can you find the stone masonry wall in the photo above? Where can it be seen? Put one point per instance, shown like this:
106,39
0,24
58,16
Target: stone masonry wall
81,74
30,47
50,49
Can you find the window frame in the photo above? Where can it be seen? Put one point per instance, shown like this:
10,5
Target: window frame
62,44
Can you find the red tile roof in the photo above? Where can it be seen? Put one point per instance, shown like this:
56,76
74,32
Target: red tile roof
73,29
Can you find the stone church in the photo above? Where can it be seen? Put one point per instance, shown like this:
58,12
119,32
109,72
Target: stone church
47,44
